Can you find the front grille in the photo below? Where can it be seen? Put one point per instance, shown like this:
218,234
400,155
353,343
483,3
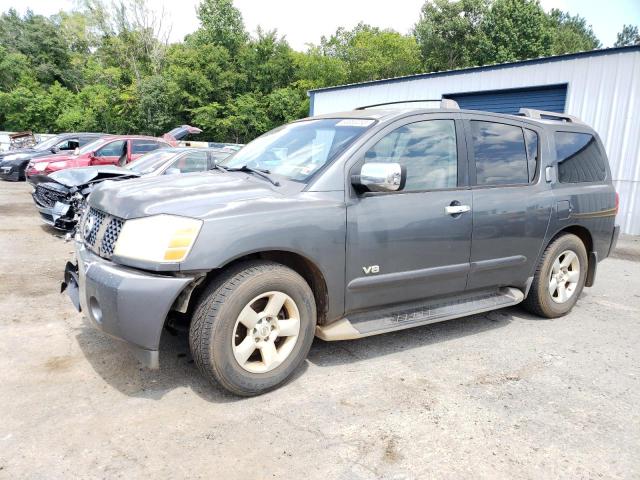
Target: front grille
100,231
110,236
92,225
47,196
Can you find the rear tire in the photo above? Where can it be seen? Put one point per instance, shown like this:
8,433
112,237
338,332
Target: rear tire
559,278
253,327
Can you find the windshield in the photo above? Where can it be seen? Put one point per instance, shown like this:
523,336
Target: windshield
150,162
91,146
47,144
299,149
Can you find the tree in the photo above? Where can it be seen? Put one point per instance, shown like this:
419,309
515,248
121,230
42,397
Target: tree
628,36
315,70
514,30
39,39
571,33
371,53
267,61
222,24
448,33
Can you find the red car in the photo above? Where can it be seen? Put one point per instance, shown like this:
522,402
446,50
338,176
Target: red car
107,150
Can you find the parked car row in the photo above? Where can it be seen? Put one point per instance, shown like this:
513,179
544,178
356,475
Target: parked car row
338,226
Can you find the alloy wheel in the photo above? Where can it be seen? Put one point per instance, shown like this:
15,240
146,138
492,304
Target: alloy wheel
564,276
266,332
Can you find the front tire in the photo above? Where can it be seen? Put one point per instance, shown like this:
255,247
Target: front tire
559,278
253,327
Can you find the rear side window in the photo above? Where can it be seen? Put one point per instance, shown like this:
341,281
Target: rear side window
144,146
531,139
500,154
426,149
579,158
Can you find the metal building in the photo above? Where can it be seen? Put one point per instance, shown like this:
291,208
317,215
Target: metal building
602,87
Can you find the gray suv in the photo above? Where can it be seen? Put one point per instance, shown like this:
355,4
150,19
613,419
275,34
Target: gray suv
343,226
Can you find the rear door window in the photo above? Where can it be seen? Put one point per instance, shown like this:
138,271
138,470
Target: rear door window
144,146
190,162
500,154
580,160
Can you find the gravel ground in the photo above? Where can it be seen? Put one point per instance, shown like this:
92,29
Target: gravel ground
498,395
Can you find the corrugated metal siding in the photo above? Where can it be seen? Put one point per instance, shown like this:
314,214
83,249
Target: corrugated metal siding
603,90
510,101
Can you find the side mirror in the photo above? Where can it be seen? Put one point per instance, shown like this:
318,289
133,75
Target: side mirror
76,150
381,177
55,149
172,171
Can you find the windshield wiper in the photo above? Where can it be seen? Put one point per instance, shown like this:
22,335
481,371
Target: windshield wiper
261,173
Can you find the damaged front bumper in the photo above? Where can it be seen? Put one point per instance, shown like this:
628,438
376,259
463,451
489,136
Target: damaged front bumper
61,216
126,303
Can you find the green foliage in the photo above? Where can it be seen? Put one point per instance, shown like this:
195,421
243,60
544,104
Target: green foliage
370,53
514,30
222,24
107,66
448,33
571,33
628,36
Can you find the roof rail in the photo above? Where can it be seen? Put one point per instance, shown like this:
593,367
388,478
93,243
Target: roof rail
444,103
543,114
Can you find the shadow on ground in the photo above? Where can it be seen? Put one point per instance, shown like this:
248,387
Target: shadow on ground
116,365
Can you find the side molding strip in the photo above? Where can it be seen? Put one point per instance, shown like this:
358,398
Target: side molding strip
390,279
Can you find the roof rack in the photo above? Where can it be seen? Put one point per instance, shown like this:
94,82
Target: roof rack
545,115
444,103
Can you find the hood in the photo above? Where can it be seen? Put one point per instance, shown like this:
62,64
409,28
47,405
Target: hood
192,195
18,150
28,154
50,157
78,177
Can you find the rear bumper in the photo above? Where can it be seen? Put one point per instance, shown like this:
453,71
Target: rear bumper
128,304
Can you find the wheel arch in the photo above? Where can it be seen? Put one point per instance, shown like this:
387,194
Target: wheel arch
299,263
586,237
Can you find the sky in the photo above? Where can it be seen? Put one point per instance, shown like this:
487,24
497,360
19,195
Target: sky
303,22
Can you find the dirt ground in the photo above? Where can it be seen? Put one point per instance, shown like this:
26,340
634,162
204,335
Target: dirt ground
498,395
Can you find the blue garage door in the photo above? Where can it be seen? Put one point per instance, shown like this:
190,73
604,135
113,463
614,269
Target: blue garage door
550,98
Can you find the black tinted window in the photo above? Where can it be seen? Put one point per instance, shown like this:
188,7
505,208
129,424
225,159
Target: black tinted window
500,154
427,150
579,158
144,146
531,139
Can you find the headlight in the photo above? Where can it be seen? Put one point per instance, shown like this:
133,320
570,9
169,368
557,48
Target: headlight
40,166
158,239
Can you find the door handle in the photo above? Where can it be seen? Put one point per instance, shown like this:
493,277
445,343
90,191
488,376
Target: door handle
456,209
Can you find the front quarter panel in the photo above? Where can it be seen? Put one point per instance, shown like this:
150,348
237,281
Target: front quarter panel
311,224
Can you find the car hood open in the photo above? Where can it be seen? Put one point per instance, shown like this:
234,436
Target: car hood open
78,177
192,195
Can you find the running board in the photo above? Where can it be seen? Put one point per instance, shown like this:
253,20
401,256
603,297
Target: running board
389,320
